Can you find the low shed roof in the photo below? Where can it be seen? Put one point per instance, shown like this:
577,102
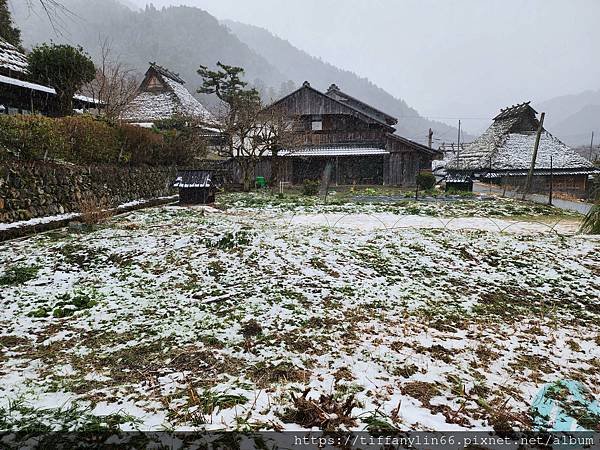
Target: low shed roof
193,179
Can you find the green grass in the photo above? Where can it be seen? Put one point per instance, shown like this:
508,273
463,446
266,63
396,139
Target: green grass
25,418
17,275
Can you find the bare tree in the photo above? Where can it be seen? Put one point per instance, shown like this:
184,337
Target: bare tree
115,84
282,134
55,10
253,133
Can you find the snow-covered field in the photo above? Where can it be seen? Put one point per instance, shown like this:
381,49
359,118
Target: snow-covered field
278,314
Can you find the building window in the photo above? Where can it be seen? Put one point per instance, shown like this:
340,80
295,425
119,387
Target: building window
317,123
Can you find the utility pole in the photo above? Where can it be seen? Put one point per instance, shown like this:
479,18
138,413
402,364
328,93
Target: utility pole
430,138
534,158
551,182
592,146
458,148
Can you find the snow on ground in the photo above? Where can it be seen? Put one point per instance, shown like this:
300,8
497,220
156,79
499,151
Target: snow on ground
200,317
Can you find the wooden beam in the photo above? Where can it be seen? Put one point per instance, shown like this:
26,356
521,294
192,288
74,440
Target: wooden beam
534,157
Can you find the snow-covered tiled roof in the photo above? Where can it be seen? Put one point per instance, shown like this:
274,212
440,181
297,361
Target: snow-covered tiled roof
11,59
508,145
193,179
333,151
42,88
174,100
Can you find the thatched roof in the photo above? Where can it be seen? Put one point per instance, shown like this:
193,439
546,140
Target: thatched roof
507,146
162,95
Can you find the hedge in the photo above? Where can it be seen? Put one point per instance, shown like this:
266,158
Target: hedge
87,140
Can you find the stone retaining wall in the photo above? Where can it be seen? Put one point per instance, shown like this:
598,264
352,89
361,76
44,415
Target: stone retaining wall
30,189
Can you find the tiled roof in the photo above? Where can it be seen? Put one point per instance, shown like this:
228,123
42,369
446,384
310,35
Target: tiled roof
334,151
42,88
12,59
193,179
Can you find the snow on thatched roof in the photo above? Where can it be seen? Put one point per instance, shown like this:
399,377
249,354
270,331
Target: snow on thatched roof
12,59
168,100
507,145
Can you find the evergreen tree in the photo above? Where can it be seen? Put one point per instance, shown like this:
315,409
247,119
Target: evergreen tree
65,68
8,31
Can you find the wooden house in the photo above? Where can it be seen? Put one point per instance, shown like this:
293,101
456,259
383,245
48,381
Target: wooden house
349,139
196,187
20,96
161,96
503,154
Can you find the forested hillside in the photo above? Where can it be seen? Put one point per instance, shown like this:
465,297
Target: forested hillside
183,38
298,66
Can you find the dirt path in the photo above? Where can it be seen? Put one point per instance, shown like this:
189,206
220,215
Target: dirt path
565,205
385,221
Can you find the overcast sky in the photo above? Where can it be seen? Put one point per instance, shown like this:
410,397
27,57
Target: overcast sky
446,58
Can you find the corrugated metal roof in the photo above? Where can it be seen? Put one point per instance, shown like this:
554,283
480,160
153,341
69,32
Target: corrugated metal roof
333,151
458,178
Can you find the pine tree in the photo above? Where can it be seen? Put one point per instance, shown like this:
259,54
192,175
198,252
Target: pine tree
8,31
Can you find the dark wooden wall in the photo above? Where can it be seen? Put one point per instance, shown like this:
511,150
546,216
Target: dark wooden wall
308,102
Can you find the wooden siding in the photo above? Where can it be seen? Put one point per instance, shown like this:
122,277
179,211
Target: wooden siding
308,101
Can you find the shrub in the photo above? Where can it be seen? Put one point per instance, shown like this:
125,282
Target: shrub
591,222
32,137
141,146
94,211
92,141
310,187
426,180
88,140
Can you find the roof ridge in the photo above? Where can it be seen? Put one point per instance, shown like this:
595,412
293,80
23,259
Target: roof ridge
334,88
306,85
514,110
167,73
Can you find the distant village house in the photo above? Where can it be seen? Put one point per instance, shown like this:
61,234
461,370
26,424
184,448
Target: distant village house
503,154
162,96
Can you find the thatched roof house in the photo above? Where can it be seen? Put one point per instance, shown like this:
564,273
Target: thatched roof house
505,151
162,95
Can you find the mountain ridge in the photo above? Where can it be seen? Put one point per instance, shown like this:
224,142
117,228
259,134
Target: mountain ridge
287,58
183,38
